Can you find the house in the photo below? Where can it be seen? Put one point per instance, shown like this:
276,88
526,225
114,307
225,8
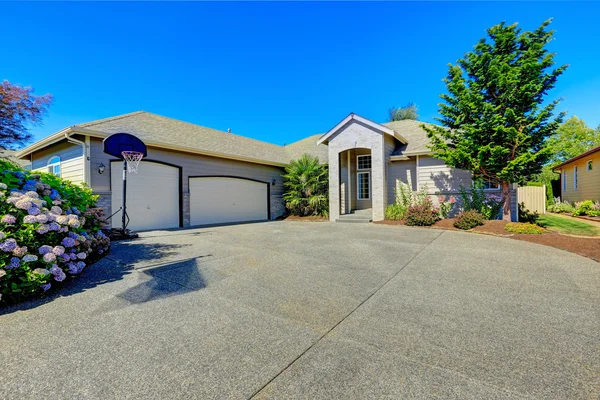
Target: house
195,175
580,177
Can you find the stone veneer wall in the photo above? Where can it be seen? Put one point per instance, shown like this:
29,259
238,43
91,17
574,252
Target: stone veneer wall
277,206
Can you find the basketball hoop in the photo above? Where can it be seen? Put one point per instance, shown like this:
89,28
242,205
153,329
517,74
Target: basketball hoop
132,158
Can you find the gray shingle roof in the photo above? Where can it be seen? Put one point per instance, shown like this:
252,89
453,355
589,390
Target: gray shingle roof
156,129
415,135
310,146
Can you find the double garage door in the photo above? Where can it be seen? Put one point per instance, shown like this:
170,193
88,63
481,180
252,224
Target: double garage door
153,198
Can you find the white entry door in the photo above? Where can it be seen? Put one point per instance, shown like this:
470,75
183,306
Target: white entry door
152,196
218,200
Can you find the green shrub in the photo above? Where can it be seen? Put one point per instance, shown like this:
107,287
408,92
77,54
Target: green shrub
561,207
424,214
306,187
526,228
487,204
446,203
49,229
527,216
468,220
583,208
395,212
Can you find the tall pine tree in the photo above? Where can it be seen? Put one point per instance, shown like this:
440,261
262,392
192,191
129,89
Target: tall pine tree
494,122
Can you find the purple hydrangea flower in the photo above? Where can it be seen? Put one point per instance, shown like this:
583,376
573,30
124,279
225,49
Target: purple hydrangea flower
9,219
42,218
49,257
80,265
62,219
29,219
31,193
54,195
14,263
34,211
30,258
3,186
59,274
56,210
8,245
45,286
24,204
58,250
73,235
45,249
73,268
20,251
68,242
73,223
53,226
81,255
43,228
56,202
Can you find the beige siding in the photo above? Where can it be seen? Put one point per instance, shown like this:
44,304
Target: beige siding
71,159
192,164
588,187
401,171
440,178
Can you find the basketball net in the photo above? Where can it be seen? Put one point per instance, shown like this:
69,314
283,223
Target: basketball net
133,159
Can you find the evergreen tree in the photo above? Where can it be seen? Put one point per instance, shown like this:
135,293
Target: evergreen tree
494,122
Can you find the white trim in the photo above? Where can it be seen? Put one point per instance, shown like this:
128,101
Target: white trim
357,163
87,169
575,177
358,185
416,153
587,165
368,122
417,172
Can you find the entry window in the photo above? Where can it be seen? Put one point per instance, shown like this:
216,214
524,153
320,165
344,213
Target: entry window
54,165
575,178
589,165
564,180
363,185
363,162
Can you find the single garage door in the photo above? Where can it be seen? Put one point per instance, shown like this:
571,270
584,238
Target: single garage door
218,200
152,196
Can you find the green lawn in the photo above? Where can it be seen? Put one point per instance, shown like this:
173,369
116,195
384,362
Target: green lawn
567,226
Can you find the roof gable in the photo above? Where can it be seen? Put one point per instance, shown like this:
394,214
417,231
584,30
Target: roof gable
354,117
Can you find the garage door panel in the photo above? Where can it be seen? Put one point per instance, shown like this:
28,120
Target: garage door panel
216,200
152,196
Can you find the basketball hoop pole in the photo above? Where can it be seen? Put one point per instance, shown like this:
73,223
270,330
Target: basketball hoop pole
124,214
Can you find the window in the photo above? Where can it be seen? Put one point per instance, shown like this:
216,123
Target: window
564,180
575,178
363,162
588,166
54,165
363,185
488,184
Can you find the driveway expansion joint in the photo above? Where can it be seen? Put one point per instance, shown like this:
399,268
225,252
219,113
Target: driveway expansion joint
344,318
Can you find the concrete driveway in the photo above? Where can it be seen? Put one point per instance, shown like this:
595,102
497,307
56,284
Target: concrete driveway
313,310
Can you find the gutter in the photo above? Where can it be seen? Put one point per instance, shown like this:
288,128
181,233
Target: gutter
86,156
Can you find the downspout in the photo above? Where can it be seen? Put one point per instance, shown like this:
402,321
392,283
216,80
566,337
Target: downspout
85,155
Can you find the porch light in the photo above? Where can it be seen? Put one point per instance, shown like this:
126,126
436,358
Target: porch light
101,168
273,183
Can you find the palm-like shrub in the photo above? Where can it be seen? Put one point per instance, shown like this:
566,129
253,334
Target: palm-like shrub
307,184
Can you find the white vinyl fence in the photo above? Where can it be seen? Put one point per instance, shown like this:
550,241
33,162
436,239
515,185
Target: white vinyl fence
534,198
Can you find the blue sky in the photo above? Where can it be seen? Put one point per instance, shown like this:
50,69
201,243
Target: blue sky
272,71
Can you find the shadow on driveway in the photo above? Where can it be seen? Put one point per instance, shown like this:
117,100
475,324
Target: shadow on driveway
121,262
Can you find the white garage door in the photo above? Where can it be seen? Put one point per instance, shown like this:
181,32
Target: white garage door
217,200
152,196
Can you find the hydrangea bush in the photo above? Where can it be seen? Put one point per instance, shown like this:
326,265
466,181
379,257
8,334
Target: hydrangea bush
49,230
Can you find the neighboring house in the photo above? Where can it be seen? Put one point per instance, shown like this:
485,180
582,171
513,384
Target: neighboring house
195,175
580,177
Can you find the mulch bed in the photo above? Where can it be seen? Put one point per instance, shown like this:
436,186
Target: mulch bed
584,246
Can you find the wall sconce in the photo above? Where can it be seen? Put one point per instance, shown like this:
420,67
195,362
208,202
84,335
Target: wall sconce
273,183
101,168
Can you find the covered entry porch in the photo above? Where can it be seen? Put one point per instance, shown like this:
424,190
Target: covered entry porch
355,187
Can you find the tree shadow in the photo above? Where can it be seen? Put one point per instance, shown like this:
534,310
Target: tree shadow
115,267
